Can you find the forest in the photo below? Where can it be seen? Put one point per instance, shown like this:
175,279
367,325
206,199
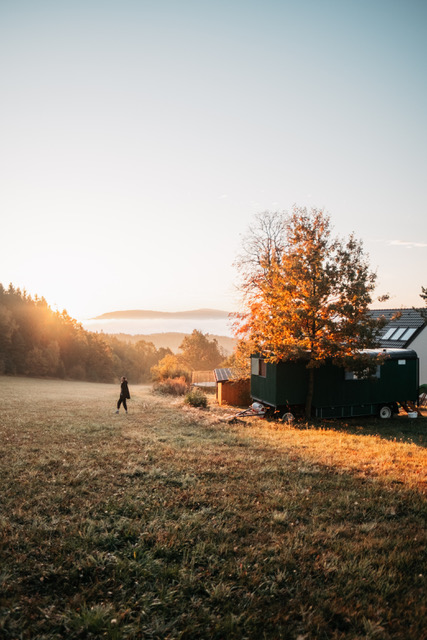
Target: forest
38,341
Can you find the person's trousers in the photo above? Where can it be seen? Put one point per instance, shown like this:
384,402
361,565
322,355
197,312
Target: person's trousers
122,399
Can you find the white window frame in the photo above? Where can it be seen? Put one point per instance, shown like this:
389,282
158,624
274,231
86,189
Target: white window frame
259,367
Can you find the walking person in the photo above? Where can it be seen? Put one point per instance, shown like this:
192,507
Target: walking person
124,394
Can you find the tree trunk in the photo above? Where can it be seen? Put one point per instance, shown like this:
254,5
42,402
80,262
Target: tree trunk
309,398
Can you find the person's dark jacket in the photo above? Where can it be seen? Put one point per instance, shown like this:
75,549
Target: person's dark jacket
124,390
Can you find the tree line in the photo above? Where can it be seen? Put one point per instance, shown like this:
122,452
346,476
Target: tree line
38,341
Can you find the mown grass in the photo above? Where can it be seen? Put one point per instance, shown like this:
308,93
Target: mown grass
170,523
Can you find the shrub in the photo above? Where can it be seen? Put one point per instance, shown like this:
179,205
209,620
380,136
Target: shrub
196,398
171,386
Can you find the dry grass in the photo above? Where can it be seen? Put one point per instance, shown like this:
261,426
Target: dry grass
171,523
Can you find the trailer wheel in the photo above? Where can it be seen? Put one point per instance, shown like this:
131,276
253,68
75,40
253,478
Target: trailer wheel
385,412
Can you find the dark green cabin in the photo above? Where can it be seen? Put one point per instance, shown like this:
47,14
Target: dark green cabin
338,392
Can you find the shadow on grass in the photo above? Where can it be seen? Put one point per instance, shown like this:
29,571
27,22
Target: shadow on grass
400,428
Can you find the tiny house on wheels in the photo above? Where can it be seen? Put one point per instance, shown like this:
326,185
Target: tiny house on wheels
339,392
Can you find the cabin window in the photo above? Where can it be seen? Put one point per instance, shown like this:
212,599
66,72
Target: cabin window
356,375
258,367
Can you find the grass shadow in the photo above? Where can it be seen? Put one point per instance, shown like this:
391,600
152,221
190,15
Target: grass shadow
400,428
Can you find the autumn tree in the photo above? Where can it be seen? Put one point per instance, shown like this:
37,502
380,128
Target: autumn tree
305,293
197,351
239,361
170,367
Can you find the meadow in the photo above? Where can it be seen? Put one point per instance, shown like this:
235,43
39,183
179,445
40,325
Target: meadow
172,523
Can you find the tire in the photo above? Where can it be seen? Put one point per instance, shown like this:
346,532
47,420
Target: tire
385,412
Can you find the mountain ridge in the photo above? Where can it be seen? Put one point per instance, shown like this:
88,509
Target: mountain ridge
148,313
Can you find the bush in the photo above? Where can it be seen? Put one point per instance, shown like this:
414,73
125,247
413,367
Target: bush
171,386
196,398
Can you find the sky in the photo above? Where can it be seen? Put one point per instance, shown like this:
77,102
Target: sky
140,137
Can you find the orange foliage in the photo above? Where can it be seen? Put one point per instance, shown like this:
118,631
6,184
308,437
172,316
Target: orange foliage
305,293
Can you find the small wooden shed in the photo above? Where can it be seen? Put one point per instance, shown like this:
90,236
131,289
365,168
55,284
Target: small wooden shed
230,390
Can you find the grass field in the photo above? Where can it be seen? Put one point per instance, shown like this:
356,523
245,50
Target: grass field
171,523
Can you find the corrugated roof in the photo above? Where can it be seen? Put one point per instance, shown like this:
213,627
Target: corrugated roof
403,325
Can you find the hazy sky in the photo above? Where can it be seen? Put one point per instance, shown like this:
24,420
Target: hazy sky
139,138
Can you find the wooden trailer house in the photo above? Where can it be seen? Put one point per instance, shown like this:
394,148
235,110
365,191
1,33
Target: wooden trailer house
339,392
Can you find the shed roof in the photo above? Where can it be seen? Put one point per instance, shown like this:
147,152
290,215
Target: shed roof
222,375
403,326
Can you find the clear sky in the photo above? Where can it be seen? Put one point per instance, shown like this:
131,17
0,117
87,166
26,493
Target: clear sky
139,138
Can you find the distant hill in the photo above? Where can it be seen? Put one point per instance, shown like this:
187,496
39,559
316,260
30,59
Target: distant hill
173,340
134,314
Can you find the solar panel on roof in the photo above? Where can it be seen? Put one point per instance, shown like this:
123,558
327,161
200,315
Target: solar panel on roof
222,375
